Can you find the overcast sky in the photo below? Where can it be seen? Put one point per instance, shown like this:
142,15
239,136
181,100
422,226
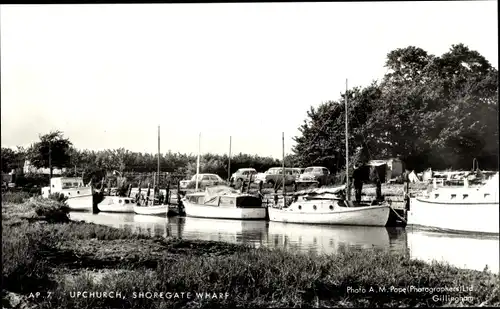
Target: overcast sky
108,75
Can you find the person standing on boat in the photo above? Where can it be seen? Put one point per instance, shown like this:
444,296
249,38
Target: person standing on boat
358,181
359,174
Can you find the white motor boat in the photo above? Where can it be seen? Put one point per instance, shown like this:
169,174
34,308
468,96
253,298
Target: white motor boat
460,209
79,196
223,202
117,204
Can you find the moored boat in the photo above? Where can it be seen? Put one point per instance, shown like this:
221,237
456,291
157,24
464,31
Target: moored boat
329,206
79,196
223,202
156,210
326,207
117,204
460,209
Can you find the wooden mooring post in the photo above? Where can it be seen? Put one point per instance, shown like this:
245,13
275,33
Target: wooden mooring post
148,193
406,190
97,197
167,194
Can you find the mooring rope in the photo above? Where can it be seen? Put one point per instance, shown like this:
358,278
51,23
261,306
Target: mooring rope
401,218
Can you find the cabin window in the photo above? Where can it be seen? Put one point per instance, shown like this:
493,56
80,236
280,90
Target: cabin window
331,207
75,184
127,201
453,196
314,207
226,201
300,207
486,195
466,196
248,201
436,195
119,201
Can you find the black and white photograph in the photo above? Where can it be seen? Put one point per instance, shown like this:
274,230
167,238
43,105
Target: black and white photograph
250,155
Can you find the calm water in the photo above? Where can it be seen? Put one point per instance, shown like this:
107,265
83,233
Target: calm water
465,251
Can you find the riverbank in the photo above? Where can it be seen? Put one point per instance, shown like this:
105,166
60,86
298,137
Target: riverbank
44,253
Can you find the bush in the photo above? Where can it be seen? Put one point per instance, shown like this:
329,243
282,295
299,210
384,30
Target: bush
51,210
14,197
59,197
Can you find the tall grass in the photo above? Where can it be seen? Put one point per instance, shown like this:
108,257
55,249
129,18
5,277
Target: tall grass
276,278
24,269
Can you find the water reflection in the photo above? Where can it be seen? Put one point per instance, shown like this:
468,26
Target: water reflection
465,251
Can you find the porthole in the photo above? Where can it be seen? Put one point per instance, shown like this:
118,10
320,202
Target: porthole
314,207
119,201
69,193
77,192
331,207
300,207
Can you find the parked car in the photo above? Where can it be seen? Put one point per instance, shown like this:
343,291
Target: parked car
205,180
242,174
317,173
274,176
183,184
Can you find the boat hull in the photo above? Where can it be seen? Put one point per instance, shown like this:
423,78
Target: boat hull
82,202
79,198
159,210
216,212
365,216
454,217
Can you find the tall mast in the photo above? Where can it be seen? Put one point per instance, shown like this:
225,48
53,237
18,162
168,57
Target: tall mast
346,147
229,164
198,161
283,148
158,172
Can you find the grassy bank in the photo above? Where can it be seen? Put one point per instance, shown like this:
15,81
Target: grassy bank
65,258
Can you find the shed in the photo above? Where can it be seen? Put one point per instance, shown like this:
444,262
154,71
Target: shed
393,167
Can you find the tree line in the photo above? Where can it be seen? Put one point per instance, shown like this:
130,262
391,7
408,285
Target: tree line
98,164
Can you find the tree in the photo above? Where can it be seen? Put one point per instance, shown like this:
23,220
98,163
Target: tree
8,159
427,110
52,150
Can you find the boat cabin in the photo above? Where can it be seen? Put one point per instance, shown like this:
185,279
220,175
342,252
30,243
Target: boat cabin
224,197
126,200
60,184
485,194
118,200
